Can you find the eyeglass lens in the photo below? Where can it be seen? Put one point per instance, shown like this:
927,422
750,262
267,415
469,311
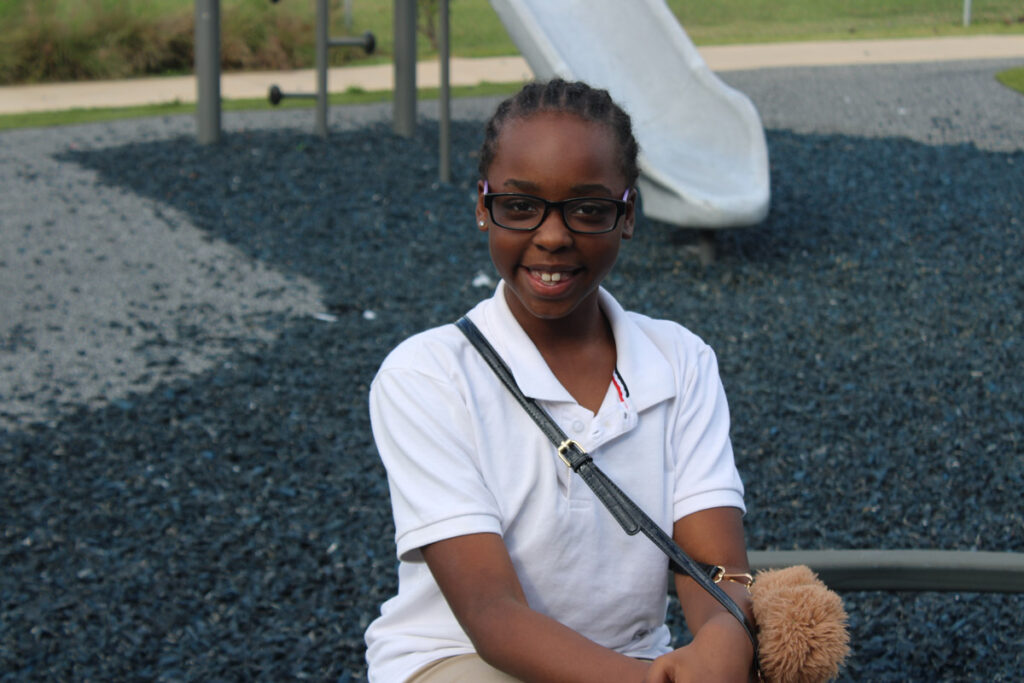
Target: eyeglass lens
523,212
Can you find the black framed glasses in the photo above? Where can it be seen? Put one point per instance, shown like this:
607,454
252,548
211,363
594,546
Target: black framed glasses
585,215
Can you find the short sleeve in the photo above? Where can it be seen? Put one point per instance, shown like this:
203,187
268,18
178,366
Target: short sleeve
424,434
705,469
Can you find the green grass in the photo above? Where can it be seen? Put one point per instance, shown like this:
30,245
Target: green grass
53,40
1012,79
744,21
354,96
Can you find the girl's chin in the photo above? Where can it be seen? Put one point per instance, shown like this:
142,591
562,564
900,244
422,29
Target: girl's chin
545,303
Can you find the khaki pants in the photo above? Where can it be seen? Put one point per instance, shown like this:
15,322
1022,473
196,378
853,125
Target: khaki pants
460,669
463,669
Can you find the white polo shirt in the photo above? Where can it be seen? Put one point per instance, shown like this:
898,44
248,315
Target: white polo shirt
463,457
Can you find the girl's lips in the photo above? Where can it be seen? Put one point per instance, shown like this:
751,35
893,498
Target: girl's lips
551,281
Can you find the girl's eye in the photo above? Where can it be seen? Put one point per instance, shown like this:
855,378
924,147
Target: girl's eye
519,206
593,210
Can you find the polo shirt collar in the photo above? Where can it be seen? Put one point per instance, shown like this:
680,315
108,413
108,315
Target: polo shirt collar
647,372
649,375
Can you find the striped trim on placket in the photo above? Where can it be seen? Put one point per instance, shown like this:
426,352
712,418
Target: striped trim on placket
620,385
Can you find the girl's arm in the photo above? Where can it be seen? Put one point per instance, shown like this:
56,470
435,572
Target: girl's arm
720,650
477,578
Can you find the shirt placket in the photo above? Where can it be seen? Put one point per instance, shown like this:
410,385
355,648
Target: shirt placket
616,417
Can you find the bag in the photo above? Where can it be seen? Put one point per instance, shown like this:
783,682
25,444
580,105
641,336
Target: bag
801,624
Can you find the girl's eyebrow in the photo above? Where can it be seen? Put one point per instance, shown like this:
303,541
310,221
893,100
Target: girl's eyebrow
592,188
533,188
521,185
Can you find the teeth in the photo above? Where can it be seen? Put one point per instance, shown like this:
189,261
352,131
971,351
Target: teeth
551,277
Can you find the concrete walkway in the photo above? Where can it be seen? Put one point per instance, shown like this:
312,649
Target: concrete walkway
143,91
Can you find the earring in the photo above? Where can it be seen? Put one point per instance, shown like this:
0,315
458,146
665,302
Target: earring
481,224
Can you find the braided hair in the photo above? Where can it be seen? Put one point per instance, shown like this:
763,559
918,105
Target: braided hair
557,95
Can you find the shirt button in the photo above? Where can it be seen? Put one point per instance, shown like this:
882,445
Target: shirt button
577,426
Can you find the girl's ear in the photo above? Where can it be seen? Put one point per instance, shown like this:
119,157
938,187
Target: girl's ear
629,218
481,210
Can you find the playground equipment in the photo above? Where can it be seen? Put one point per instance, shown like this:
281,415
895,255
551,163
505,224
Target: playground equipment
207,51
404,103
704,159
323,43
904,570
207,71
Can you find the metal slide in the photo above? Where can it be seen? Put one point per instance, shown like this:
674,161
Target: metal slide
703,157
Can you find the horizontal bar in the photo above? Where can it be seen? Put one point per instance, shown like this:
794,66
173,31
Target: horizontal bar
275,95
367,41
345,42
904,570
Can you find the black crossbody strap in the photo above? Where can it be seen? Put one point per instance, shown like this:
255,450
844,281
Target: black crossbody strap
627,513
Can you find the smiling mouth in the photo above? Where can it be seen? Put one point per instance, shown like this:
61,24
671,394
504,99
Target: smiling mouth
551,277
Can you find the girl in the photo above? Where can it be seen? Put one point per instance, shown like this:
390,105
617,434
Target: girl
510,568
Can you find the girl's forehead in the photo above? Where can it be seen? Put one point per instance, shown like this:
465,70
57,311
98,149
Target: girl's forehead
550,148
540,131
558,123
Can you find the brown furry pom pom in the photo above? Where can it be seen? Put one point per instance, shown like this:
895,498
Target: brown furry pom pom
801,626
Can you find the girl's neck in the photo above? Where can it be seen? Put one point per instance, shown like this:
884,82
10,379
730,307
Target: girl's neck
584,326
579,349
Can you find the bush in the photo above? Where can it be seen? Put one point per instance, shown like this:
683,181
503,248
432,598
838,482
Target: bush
111,41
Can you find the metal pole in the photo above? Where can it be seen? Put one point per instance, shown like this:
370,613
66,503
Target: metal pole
207,57
911,570
444,122
321,67
405,68
348,15
967,12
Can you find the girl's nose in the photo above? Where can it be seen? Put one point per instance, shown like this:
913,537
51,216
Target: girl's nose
552,234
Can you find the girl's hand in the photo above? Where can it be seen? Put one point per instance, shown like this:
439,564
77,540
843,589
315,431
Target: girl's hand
720,652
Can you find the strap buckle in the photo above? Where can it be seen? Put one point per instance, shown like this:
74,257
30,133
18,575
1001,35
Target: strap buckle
564,447
743,578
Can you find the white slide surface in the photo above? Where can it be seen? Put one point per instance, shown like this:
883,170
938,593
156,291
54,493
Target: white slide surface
703,156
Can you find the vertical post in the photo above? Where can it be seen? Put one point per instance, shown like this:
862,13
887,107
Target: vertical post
348,15
444,118
322,29
967,12
405,68
207,57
